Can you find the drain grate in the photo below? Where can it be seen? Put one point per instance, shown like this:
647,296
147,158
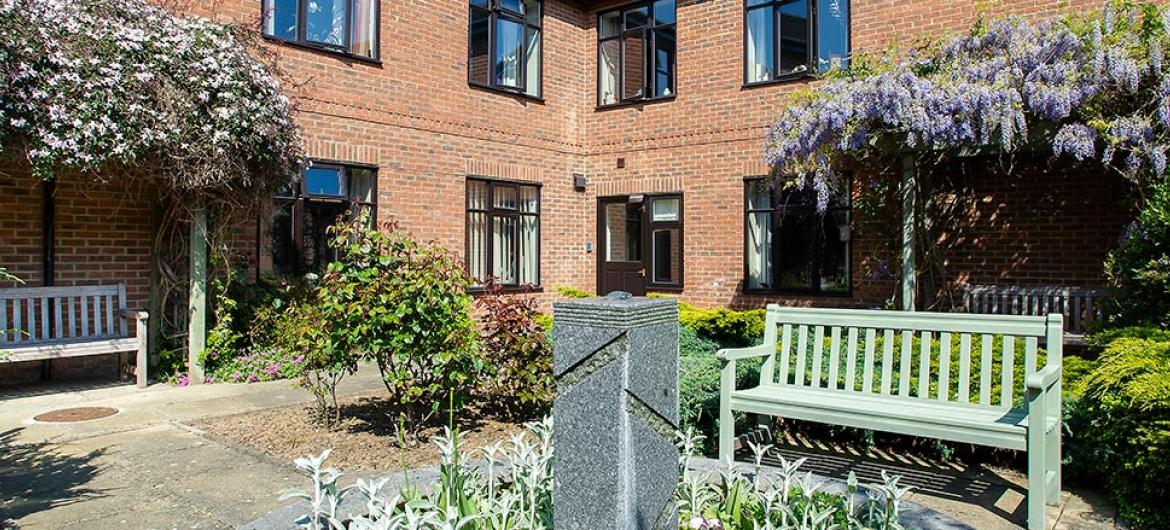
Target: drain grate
76,414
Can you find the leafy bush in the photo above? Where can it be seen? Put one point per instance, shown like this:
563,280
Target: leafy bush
514,491
1140,269
403,304
327,352
1120,429
520,379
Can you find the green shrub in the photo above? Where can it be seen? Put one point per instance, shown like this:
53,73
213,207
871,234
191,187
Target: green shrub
726,326
1140,268
1120,429
698,383
519,380
1102,339
573,292
404,305
327,351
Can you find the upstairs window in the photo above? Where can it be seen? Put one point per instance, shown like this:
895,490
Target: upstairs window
788,39
791,247
503,232
504,45
345,26
636,53
305,211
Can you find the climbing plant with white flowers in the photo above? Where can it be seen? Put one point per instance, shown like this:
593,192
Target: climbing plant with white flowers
115,87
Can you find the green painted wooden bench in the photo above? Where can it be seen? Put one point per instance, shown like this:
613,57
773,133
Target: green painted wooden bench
958,377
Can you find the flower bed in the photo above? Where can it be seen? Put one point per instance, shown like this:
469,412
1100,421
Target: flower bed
514,491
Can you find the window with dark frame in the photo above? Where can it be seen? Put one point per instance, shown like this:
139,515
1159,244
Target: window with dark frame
503,232
636,53
504,45
789,39
350,27
791,247
666,241
305,211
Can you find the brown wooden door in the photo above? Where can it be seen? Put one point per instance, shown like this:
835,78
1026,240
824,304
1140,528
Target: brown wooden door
621,255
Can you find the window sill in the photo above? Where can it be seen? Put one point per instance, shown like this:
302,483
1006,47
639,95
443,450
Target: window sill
324,49
506,91
782,80
636,103
664,288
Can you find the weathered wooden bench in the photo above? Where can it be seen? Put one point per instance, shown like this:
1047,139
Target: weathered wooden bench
1080,306
901,372
42,323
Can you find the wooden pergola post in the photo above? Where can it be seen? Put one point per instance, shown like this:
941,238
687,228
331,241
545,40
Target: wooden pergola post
909,205
197,298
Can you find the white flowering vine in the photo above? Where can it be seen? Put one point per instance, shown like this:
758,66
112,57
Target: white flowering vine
109,87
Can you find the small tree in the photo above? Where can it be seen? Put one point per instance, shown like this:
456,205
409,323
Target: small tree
328,351
404,305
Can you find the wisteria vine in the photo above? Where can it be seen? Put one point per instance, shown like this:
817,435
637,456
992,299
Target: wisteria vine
1088,87
106,87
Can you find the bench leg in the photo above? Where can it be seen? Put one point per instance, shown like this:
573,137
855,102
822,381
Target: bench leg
141,360
1037,463
1053,455
726,418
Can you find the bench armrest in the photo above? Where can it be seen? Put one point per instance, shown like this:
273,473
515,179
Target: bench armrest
732,354
1044,379
135,314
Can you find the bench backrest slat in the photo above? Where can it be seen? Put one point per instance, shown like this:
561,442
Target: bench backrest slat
818,354
34,315
962,358
888,361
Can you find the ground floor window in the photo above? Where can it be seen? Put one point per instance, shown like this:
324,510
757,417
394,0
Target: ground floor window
791,247
305,210
503,232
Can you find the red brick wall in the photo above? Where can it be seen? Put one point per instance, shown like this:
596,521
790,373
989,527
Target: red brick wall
711,135
415,117
1038,226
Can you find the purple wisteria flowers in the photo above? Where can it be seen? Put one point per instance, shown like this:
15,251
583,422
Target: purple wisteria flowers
1090,88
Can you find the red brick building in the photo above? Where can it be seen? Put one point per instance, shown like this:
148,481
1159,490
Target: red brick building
596,145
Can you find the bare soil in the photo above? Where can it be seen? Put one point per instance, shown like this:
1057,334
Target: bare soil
366,439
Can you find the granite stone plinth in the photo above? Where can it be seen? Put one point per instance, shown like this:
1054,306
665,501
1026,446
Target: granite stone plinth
616,363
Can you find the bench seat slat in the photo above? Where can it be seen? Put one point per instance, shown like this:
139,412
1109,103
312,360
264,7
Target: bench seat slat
945,420
60,350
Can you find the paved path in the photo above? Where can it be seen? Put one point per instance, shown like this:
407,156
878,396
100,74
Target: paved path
143,468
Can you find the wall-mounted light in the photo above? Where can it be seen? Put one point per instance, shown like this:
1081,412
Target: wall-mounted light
579,182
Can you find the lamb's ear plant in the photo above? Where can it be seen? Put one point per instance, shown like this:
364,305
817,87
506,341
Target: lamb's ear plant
515,493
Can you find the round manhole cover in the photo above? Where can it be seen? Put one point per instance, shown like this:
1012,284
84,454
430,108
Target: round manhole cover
76,414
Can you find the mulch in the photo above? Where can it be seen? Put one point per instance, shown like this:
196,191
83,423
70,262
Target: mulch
365,440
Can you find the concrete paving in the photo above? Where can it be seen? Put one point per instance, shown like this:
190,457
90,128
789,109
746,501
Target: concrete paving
147,468
143,468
